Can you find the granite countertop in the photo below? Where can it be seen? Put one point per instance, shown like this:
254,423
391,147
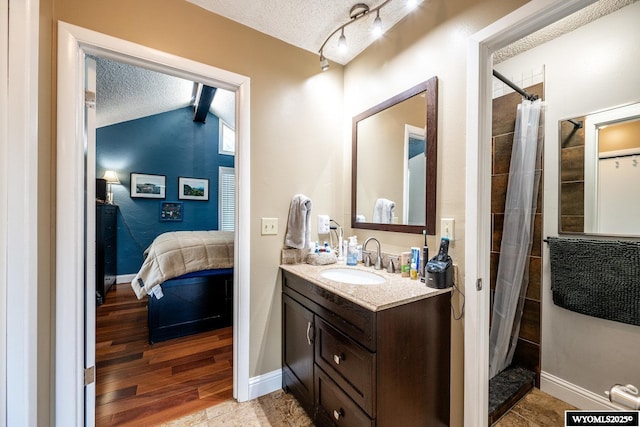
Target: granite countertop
397,290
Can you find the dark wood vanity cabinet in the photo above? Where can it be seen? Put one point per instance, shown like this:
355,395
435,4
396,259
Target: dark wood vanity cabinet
349,366
106,249
297,355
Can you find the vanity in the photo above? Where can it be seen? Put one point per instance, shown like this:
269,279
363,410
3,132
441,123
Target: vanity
366,355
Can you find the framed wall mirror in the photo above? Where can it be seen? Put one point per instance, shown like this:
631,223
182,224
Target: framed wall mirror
394,158
600,173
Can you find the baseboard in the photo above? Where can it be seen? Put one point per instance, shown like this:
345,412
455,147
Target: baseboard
572,394
265,384
124,278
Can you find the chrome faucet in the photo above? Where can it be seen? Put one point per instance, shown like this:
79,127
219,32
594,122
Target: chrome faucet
378,263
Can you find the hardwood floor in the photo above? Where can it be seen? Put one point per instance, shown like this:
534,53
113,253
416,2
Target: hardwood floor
141,384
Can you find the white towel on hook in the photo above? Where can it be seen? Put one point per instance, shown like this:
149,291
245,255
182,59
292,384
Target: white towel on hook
383,211
299,223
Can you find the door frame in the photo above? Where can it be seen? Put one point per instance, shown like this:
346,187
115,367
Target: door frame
4,187
21,329
523,21
73,43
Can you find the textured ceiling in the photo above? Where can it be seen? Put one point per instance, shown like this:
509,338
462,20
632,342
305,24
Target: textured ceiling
563,26
127,92
306,24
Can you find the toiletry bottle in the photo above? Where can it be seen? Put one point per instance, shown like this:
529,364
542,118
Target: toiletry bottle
345,249
405,264
352,252
413,270
415,256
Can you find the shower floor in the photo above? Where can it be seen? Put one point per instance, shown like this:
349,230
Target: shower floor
506,388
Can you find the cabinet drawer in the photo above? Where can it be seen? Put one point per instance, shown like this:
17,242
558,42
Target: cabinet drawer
335,408
350,365
354,320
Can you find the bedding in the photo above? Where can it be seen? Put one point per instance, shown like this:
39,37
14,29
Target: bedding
177,253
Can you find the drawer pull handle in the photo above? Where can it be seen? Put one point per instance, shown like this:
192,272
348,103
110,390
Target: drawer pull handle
337,358
309,333
338,413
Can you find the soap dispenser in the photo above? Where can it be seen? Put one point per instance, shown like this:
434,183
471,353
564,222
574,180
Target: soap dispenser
352,251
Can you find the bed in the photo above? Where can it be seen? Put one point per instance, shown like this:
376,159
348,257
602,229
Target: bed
187,277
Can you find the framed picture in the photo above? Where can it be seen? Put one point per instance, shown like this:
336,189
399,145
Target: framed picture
171,211
148,186
193,188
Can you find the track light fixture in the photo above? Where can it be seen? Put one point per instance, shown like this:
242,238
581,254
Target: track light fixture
359,10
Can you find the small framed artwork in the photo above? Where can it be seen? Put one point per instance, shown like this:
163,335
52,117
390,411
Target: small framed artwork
171,211
148,186
193,188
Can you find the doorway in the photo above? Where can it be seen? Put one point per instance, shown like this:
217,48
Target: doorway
74,44
146,122
525,20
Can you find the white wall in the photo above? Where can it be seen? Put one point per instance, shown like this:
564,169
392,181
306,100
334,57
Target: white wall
592,68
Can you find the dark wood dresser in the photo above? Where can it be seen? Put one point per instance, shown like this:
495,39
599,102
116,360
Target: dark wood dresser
106,249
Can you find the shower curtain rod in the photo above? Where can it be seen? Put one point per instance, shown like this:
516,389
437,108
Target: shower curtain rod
513,86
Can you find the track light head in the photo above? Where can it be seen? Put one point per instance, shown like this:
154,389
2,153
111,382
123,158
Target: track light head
342,41
377,25
324,63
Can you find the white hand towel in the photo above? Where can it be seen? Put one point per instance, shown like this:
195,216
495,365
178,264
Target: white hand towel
383,211
299,223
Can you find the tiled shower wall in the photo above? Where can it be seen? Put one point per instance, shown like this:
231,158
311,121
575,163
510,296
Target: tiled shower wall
527,354
572,177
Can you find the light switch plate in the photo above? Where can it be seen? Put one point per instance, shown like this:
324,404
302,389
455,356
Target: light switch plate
447,228
269,226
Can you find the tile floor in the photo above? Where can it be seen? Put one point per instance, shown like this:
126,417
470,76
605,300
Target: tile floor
278,409
535,409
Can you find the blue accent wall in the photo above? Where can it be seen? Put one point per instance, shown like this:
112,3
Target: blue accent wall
417,146
169,144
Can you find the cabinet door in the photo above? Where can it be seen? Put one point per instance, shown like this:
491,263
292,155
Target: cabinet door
297,351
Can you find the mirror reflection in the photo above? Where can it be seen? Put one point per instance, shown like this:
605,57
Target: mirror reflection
394,160
600,173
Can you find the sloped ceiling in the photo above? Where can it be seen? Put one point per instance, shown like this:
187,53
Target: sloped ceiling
126,92
558,28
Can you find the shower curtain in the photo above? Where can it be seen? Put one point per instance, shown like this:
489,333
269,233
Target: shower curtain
517,237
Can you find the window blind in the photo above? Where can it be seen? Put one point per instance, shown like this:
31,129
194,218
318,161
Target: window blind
226,199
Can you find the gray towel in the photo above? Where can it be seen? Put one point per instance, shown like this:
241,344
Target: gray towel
599,278
299,223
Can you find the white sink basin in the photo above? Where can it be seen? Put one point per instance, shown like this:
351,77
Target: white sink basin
352,276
